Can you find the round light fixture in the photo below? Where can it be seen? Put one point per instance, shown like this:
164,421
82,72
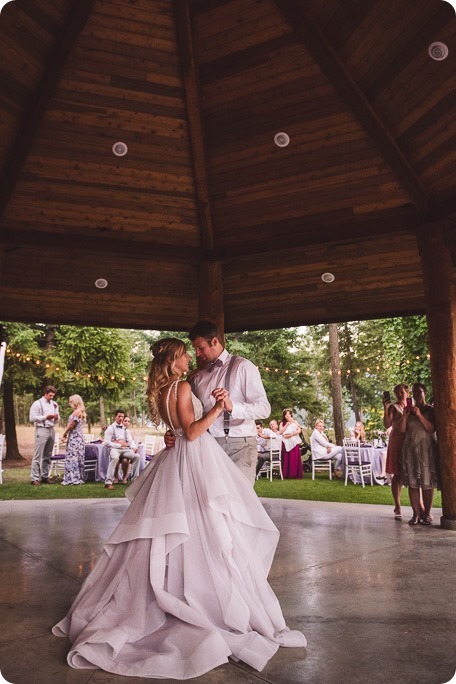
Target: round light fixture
101,283
120,149
328,277
282,139
438,51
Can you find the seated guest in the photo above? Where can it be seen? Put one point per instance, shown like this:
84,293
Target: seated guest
323,449
122,446
262,448
272,432
358,432
124,462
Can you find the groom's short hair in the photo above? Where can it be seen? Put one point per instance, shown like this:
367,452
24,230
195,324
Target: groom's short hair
206,329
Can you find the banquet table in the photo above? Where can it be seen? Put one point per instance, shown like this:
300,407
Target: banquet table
100,451
372,455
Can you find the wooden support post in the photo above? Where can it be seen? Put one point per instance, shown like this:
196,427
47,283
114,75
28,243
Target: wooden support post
441,319
210,303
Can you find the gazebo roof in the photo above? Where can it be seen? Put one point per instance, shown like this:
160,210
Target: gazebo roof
197,91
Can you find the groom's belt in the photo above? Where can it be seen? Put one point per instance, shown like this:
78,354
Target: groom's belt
240,439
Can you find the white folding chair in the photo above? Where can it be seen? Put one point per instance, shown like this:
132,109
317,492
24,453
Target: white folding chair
152,445
320,465
354,466
2,443
57,459
89,437
275,461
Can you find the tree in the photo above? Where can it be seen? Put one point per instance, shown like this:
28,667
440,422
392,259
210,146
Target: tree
336,385
95,363
19,373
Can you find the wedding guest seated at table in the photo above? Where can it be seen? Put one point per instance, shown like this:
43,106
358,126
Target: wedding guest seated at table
122,446
323,449
358,432
124,462
262,448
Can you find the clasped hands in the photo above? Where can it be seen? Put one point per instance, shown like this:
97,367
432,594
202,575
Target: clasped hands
222,398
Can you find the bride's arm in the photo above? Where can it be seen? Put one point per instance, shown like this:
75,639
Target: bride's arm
185,413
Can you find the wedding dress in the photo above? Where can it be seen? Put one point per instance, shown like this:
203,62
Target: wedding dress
181,584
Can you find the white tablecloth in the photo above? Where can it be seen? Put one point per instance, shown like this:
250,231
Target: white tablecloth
372,455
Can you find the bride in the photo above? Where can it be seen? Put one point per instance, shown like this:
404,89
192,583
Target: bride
181,584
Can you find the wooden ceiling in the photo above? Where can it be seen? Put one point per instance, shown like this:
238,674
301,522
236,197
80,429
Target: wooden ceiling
197,90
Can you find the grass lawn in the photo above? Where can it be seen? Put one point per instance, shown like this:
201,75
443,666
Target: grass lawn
16,485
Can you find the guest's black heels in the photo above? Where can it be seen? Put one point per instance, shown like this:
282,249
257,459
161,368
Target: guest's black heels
414,520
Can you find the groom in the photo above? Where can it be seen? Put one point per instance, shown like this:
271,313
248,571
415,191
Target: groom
238,382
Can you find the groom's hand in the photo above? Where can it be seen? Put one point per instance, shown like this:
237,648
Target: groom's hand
220,394
170,439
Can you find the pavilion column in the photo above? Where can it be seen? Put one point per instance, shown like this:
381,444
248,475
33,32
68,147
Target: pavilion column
440,297
210,303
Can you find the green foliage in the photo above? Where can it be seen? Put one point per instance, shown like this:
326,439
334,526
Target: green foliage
289,386
25,340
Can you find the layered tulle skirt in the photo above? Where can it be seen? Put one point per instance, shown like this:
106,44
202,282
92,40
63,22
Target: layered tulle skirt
181,584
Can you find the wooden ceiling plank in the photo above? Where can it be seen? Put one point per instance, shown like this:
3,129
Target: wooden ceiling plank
196,132
348,89
137,249
20,148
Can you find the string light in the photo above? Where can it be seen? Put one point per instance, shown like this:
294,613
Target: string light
266,369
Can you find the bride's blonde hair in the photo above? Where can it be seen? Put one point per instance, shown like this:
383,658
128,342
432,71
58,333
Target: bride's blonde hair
161,371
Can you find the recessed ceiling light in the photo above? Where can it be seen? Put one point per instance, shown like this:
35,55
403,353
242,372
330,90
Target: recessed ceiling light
120,149
282,139
328,277
438,51
101,283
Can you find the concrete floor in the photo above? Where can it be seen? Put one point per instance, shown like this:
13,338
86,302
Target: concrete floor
375,598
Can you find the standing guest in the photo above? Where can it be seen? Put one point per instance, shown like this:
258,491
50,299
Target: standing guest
392,417
75,449
359,432
419,458
181,584
244,400
291,453
45,414
122,447
323,449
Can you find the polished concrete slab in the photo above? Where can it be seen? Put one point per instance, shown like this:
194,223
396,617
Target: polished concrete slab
374,597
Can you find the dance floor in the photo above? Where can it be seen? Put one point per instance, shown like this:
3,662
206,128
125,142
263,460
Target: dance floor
374,597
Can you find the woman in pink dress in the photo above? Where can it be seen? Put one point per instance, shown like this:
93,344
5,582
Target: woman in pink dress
392,417
291,452
181,584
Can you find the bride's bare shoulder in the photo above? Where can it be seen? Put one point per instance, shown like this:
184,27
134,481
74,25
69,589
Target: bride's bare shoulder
183,388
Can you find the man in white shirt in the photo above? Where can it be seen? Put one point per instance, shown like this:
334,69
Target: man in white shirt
245,398
122,447
322,448
44,413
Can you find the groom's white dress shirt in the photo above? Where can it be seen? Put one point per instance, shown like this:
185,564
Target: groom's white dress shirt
246,393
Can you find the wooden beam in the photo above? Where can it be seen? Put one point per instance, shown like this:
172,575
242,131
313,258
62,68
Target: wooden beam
19,151
441,318
210,303
343,82
105,245
195,123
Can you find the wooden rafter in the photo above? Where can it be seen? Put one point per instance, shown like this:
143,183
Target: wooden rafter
196,132
12,240
33,116
329,62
